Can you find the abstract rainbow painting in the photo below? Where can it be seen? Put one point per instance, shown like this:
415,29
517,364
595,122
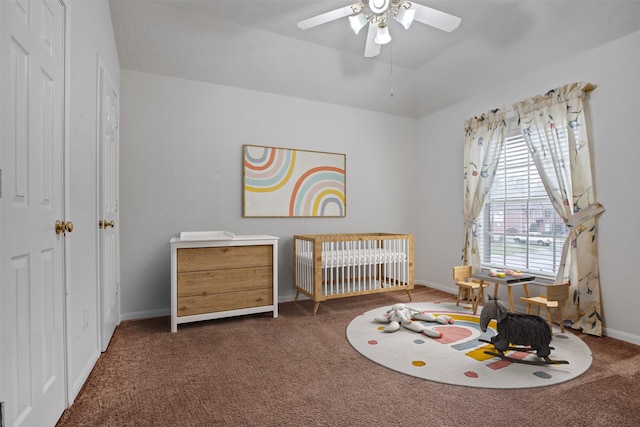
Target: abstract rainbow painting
281,182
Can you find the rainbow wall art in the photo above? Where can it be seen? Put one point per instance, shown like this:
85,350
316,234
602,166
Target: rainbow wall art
281,182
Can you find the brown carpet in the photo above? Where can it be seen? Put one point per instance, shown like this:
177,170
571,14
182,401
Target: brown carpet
299,370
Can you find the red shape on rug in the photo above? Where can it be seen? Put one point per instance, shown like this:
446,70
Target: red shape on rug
504,363
451,334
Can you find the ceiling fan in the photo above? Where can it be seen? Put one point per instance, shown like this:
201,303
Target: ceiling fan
376,13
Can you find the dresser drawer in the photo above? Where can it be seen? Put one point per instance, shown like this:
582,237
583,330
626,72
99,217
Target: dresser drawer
219,281
211,303
226,257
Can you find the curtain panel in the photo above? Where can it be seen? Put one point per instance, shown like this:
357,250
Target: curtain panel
483,140
555,129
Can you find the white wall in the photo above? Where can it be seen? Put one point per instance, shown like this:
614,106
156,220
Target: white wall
615,114
90,36
181,150
181,170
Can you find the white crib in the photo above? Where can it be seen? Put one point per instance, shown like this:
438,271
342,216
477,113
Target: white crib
328,266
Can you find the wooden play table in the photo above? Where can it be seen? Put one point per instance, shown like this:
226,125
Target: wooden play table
508,281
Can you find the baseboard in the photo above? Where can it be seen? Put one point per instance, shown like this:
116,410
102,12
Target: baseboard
448,289
611,333
622,336
291,297
145,314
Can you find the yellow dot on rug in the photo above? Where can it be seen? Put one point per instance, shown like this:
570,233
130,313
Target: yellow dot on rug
418,363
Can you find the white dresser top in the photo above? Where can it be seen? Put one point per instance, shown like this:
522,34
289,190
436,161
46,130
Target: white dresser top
218,237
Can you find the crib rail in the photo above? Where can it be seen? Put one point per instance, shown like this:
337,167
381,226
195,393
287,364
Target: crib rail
338,265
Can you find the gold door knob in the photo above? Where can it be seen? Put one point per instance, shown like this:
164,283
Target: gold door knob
103,223
69,226
60,226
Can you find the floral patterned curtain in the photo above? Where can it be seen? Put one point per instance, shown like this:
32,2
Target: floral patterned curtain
555,129
483,140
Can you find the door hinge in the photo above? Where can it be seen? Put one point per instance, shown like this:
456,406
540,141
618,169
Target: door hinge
0,198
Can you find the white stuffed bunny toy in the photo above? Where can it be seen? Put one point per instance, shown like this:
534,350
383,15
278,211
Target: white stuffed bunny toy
402,315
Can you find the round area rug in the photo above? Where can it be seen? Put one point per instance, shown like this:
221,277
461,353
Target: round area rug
459,357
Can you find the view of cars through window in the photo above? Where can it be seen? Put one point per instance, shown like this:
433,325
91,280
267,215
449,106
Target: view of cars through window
534,239
531,251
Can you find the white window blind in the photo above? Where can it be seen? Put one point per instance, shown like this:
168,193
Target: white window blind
518,227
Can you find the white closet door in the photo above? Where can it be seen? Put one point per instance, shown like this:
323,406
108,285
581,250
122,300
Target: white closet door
109,265
32,354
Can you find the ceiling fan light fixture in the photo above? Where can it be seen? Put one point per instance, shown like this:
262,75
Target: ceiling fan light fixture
405,16
358,22
383,36
375,15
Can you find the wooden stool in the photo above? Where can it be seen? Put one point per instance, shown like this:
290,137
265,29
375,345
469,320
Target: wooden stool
474,291
556,297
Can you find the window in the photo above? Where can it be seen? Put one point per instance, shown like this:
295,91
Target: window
518,227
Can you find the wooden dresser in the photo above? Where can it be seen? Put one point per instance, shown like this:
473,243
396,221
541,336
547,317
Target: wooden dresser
218,274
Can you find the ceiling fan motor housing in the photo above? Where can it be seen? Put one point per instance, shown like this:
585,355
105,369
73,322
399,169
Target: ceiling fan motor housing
378,6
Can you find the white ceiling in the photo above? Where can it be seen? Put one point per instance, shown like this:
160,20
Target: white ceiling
255,44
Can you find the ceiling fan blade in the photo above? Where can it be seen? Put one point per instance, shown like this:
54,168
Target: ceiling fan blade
372,48
328,17
435,18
